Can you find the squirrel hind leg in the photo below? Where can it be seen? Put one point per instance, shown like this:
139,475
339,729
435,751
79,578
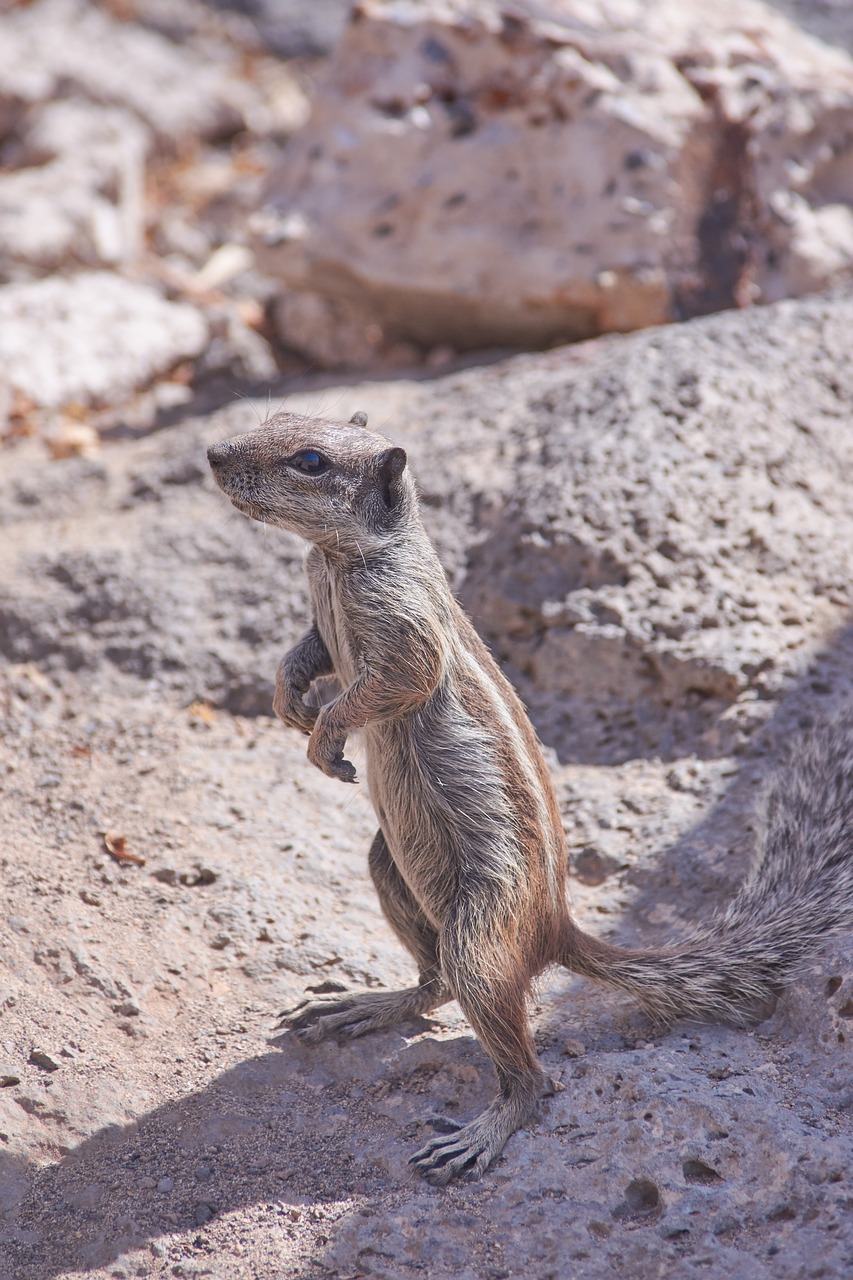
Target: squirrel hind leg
467,1153
352,1014
357,1013
484,979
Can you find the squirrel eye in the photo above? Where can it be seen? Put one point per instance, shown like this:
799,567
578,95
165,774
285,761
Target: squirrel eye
309,461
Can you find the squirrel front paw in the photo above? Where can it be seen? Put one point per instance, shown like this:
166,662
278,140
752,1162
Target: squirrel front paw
326,753
288,705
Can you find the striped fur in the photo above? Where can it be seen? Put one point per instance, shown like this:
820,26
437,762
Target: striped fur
469,861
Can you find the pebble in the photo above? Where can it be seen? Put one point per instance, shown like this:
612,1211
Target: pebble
44,1060
203,1213
166,1184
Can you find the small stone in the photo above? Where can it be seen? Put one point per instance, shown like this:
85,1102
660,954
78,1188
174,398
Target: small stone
573,1049
202,876
672,1230
220,941
44,1060
203,1213
202,1172
593,867
7,1081
166,875
166,1184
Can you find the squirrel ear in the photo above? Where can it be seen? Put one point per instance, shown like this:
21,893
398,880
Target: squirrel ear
359,419
390,466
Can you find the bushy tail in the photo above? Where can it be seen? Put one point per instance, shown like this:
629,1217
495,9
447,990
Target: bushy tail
799,892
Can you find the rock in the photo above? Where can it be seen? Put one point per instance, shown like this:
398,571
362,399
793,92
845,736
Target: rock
476,177
831,20
65,48
294,29
673,546
649,530
91,338
591,866
77,197
203,1213
46,1061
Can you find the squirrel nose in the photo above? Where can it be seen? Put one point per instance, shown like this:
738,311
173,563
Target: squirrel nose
219,453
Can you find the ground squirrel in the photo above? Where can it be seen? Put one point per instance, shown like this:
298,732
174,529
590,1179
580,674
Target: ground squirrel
470,859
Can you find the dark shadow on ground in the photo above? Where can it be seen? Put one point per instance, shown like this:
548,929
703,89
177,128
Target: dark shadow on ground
270,1132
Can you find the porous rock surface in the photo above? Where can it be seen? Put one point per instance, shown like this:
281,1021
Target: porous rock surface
91,338
150,1125
68,48
88,99
675,526
475,175
80,197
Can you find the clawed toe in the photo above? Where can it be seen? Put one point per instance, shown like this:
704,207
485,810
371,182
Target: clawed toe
452,1156
311,1012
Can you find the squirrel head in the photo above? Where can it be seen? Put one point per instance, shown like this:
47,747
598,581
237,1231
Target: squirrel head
337,485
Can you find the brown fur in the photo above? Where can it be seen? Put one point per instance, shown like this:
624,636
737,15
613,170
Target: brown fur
469,861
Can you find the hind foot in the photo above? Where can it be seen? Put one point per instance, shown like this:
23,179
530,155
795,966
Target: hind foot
467,1153
356,1014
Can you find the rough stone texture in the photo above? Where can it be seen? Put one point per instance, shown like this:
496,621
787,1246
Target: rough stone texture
70,47
169,1136
478,177
676,534
91,338
831,20
293,28
77,197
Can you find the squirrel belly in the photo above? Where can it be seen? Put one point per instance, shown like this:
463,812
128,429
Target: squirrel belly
469,861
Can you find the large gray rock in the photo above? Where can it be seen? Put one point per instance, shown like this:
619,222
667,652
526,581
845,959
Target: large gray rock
831,20
93,338
292,28
71,48
677,538
78,197
651,530
478,177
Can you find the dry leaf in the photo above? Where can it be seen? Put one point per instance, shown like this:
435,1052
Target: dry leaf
71,439
202,711
117,846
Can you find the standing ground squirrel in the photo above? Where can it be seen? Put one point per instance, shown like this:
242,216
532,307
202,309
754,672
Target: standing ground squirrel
470,859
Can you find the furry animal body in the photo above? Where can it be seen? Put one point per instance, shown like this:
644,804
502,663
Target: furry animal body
469,861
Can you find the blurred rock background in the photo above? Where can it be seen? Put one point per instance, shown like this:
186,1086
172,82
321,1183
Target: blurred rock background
410,208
